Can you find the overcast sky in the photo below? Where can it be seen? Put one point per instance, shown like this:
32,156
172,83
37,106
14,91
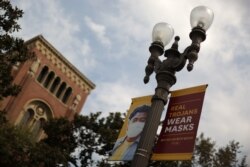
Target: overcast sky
108,41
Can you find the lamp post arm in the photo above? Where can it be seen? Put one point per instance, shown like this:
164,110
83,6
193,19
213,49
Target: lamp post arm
197,36
156,49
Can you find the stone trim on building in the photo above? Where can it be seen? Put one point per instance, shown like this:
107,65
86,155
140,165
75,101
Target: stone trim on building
61,63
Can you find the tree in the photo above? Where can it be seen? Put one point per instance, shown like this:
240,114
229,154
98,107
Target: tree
19,149
59,143
97,136
67,141
206,154
15,144
204,151
77,141
227,156
12,49
88,140
243,162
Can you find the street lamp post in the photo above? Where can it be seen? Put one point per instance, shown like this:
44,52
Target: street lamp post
201,18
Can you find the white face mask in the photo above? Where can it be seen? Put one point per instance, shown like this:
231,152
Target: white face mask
134,129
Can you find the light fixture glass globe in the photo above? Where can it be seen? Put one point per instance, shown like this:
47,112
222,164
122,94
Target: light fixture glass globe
201,16
162,32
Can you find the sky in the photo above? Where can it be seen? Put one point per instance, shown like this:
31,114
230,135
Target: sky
108,42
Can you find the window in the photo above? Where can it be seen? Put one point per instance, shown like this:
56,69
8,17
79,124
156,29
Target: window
27,118
55,84
37,127
49,79
42,74
67,95
35,114
61,89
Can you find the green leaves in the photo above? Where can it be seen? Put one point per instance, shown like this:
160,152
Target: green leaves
15,144
12,49
207,155
9,17
87,141
96,135
204,151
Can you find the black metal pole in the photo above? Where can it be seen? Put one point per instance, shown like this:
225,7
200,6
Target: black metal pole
144,150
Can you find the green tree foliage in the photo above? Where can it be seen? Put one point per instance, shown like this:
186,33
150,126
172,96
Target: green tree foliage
12,49
87,141
243,162
96,135
15,145
73,142
227,156
19,149
204,151
206,154
59,143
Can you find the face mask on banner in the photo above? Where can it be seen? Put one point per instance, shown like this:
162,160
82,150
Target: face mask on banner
134,129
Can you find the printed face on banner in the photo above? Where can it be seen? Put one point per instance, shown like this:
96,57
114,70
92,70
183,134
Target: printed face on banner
130,133
135,125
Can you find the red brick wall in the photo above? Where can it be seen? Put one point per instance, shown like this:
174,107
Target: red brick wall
33,90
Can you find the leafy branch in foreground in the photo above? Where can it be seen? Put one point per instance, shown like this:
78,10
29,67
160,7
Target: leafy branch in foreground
13,50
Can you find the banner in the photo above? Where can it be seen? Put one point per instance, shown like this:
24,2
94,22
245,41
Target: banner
178,134
129,136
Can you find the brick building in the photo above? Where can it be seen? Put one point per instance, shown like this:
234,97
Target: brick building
51,87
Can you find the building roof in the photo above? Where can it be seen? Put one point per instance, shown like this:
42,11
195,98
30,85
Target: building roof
62,58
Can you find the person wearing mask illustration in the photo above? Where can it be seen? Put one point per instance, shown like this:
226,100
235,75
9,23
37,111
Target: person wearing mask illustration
125,147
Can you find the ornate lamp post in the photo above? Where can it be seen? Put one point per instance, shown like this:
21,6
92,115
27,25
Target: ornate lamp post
201,18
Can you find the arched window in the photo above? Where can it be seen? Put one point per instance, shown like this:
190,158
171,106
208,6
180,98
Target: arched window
67,95
38,125
42,74
27,117
55,84
49,79
61,90
35,115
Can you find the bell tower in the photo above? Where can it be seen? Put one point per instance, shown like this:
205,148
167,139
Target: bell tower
51,87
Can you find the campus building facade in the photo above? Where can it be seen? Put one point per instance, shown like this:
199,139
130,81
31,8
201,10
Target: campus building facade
51,88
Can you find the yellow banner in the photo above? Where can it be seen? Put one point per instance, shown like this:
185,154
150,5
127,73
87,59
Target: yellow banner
191,90
129,135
